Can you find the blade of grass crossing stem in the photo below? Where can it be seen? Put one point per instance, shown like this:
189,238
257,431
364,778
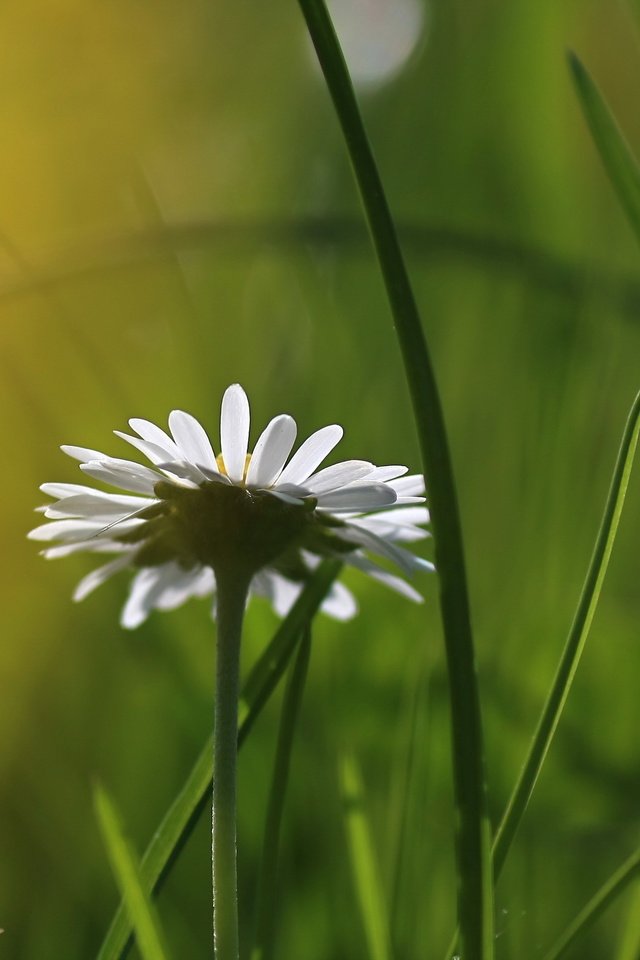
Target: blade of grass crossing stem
363,860
413,734
126,870
473,858
574,645
268,899
183,813
614,150
629,948
614,886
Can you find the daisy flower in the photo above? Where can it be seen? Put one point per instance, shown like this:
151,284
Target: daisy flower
189,514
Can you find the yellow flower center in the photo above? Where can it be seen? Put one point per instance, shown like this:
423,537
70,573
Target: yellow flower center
223,470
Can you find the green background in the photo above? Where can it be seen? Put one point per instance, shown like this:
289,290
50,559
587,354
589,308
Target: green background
177,213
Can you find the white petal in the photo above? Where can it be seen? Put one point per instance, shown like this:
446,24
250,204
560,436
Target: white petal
137,608
71,530
339,603
234,431
389,579
149,431
360,497
383,474
97,577
76,530
411,486
271,451
192,439
124,474
285,497
98,506
413,516
312,452
395,532
281,592
186,584
339,475
84,454
96,545
60,490
152,451
408,562
213,475
188,472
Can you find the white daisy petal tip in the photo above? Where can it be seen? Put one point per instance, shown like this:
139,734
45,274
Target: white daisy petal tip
271,451
192,439
235,419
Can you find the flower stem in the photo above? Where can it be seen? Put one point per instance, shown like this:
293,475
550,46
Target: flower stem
232,588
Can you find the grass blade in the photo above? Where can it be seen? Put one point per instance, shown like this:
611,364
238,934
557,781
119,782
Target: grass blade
629,948
574,645
183,813
473,855
402,839
615,153
596,906
363,861
267,881
126,870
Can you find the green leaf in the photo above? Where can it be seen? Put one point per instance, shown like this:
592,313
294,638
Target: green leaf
268,898
629,948
183,813
615,152
574,645
596,906
126,870
363,860
473,853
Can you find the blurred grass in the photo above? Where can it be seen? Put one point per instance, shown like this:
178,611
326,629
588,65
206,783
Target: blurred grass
480,135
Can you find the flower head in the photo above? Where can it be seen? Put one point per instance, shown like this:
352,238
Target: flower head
192,515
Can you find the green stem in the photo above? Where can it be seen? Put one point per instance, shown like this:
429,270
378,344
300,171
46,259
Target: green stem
232,589
475,896
267,880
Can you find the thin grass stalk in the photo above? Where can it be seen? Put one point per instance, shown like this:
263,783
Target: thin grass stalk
615,153
126,871
629,948
364,867
605,896
574,645
401,839
267,898
185,811
475,895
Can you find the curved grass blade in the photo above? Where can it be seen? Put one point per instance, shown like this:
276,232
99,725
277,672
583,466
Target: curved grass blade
615,153
363,861
574,645
183,813
126,870
267,881
473,832
596,906
629,948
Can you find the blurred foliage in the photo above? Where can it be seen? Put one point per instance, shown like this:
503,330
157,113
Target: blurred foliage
125,129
